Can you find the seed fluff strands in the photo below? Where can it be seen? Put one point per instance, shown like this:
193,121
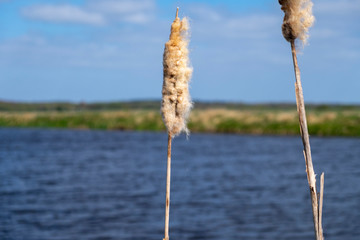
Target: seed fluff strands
297,20
176,103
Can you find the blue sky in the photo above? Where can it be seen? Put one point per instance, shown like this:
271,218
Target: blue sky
109,50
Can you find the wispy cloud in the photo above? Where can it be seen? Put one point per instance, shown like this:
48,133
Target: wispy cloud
63,13
137,18
204,12
131,11
254,26
94,12
224,24
338,7
122,6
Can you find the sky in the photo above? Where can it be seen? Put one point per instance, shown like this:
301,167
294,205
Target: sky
111,50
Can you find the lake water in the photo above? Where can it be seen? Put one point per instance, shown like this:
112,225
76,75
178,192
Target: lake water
74,185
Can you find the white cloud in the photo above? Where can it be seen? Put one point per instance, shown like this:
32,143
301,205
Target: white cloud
324,33
253,23
34,50
122,6
94,12
134,11
137,18
205,13
338,7
212,24
63,13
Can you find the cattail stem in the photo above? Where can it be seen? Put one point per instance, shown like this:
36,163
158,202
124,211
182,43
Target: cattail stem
168,177
321,205
306,143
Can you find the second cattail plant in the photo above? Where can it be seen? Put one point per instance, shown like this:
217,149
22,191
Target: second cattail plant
297,20
176,102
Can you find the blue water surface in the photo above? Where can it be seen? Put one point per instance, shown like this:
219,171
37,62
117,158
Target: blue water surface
74,185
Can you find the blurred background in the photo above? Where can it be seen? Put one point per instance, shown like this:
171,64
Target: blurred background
83,146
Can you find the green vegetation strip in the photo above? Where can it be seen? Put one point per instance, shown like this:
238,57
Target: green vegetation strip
267,120
84,120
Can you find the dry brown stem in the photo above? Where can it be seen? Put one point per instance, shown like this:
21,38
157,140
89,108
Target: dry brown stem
297,20
321,205
306,144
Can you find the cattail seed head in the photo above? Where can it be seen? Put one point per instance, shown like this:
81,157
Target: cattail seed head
176,102
297,20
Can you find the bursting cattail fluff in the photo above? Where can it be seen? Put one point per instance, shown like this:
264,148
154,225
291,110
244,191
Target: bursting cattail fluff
176,102
297,20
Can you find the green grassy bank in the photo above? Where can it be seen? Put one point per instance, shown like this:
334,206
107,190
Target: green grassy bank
278,119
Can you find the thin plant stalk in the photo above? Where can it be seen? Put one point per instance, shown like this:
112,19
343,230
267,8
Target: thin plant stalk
306,143
168,177
321,205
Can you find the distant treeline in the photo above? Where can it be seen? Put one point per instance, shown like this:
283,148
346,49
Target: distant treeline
6,106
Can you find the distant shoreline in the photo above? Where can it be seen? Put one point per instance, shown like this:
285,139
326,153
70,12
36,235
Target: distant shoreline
269,119
18,106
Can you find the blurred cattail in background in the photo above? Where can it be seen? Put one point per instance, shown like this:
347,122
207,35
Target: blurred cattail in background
176,103
297,20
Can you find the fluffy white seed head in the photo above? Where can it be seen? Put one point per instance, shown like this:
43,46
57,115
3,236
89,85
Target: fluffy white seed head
297,20
176,102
